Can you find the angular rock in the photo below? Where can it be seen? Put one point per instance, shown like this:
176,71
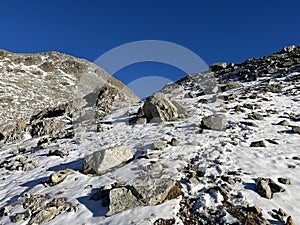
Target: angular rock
231,85
290,221
128,197
258,144
214,122
59,153
296,129
159,108
174,142
284,123
263,188
122,199
59,176
284,181
101,161
159,145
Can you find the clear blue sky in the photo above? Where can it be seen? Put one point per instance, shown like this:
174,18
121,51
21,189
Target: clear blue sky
230,31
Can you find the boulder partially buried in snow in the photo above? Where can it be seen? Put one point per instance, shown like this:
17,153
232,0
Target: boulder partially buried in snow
101,161
159,108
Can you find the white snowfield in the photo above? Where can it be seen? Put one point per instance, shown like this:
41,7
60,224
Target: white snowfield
216,154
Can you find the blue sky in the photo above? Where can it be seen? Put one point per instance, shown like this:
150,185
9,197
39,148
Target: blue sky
230,31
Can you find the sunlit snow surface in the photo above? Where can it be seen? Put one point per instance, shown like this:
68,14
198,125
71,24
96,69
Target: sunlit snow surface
274,161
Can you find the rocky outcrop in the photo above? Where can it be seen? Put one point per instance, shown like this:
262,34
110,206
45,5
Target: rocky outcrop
52,80
101,161
158,108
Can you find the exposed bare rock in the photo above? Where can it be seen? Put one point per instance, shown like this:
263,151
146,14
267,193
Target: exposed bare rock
101,161
158,108
263,189
132,196
214,122
218,66
258,144
59,176
160,145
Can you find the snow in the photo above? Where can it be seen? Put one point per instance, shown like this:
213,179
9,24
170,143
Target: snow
274,161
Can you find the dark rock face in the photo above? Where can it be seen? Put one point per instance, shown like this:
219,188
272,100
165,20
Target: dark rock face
258,144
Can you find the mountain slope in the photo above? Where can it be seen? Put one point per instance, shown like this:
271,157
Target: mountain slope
231,157
29,83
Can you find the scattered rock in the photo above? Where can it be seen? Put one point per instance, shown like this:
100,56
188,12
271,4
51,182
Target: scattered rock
217,66
214,122
266,187
101,161
159,108
290,221
164,222
288,49
296,129
255,116
284,123
284,181
160,145
102,127
21,216
249,123
231,85
190,95
59,177
131,196
258,144
263,189
174,142
59,153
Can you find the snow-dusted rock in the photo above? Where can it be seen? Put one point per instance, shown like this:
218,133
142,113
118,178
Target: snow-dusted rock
59,176
132,196
159,108
101,161
214,122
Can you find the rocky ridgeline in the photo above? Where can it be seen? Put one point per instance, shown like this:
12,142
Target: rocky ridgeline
206,189
30,83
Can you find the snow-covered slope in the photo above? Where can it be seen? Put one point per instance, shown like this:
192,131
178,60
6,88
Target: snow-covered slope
217,171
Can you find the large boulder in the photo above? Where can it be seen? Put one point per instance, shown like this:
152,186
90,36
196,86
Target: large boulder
152,193
214,122
101,161
159,108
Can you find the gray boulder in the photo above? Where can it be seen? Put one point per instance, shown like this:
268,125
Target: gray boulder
214,122
101,161
152,193
159,108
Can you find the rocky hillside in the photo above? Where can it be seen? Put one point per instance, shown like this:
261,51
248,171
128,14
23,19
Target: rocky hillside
219,147
30,83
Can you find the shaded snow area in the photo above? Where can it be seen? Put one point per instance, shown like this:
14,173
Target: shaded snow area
182,172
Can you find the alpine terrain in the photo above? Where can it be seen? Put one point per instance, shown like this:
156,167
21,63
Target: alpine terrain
218,147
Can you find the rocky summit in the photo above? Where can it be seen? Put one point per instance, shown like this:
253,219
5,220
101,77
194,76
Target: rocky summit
217,147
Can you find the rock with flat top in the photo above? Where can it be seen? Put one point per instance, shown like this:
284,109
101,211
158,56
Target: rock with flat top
101,161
